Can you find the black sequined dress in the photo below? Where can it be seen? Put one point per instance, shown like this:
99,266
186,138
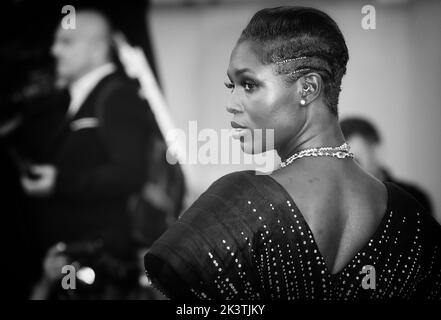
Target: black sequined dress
245,238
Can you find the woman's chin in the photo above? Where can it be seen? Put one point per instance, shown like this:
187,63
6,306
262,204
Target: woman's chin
249,142
248,147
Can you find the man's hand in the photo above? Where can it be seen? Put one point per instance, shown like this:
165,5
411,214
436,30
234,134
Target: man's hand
54,261
43,184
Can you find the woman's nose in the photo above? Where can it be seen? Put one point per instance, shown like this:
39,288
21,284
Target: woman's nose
231,109
234,107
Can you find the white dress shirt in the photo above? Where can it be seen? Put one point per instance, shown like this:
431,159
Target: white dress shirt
81,88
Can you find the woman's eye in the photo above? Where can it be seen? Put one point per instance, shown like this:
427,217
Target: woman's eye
229,85
249,86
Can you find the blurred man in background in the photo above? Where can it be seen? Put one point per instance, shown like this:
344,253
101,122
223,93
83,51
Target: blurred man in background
94,144
68,181
365,140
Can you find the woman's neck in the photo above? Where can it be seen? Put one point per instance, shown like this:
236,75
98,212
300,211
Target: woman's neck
328,135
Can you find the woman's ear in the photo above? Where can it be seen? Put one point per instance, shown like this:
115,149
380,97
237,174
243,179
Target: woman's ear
311,88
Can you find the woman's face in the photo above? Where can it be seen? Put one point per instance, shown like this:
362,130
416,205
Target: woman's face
261,100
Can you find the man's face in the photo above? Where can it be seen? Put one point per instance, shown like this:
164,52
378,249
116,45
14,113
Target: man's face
73,52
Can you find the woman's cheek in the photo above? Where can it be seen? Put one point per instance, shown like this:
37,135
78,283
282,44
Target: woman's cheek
260,114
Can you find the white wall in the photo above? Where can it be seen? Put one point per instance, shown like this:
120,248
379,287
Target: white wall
393,77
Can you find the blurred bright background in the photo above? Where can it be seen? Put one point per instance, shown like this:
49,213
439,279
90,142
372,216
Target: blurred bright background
393,77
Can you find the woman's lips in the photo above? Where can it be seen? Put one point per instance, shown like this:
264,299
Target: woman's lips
237,125
238,130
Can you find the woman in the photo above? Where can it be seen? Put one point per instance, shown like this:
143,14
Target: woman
317,228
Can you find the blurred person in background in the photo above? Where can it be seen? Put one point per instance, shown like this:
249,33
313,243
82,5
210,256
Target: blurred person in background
365,142
94,145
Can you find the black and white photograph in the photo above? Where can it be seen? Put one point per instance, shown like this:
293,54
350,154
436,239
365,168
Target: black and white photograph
240,152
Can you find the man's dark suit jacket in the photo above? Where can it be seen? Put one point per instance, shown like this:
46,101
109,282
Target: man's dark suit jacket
101,155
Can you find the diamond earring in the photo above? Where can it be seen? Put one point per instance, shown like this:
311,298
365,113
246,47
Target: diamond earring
302,102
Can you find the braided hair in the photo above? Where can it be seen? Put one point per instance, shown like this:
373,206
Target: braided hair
299,40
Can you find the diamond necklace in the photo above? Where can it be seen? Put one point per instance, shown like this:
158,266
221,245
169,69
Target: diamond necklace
340,152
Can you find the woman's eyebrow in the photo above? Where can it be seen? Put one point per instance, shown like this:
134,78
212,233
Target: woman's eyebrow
238,72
